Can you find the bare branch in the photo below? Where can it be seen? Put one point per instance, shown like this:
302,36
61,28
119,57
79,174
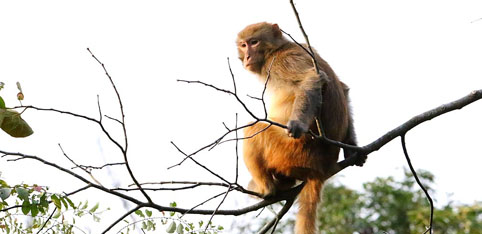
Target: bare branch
199,164
237,151
217,208
272,224
232,76
86,181
77,165
121,218
306,37
407,126
265,86
87,167
122,121
204,202
289,194
78,116
47,221
414,173
113,119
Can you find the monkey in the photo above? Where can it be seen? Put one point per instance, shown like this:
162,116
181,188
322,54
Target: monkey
276,158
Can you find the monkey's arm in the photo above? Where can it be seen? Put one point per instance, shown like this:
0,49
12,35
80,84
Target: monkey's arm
308,99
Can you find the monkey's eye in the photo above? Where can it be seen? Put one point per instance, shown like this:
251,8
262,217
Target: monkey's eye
243,45
254,42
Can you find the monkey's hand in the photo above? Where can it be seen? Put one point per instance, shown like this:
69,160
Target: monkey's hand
297,128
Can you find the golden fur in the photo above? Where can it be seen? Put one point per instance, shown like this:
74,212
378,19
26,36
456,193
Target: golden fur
274,159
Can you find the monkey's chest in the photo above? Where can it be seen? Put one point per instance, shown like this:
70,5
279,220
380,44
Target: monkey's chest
281,107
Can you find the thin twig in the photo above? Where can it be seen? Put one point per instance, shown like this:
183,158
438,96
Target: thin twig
46,221
99,167
204,202
98,122
265,86
86,181
77,165
247,137
213,144
225,126
306,37
237,151
217,208
194,184
113,119
199,164
232,76
121,218
126,142
272,224
414,173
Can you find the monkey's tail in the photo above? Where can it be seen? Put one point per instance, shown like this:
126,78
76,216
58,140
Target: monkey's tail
308,202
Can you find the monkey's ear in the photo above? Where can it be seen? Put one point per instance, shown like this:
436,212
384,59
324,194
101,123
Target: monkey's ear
276,31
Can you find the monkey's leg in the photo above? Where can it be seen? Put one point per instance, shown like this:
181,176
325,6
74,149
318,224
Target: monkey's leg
262,181
254,158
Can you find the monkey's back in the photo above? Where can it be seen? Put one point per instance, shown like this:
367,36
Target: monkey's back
333,112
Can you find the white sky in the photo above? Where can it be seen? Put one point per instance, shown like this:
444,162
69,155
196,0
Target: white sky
400,58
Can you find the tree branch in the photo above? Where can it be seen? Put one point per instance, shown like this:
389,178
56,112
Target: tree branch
407,126
122,121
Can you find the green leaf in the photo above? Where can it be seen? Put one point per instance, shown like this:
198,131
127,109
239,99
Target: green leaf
94,208
70,202
2,104
85,205
13,124
41,208
180,229
43,201
151,225
56,201
33,210
5,193
64,202
22,193
171,228
57,214
25,207
139,213
148,213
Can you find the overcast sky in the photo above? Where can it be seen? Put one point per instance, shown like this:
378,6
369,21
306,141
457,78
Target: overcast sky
400,58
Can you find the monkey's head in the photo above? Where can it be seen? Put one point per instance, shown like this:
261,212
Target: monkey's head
256,42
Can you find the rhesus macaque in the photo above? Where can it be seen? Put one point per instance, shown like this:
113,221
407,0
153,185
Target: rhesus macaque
276,157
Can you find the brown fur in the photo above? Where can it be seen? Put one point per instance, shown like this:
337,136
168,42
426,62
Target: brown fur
273,158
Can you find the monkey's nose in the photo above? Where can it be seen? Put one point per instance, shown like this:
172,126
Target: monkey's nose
246,59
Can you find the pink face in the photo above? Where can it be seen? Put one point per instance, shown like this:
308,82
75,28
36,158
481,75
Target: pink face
249,50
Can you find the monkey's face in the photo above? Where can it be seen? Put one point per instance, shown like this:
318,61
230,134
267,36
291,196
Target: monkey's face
256,42
251,54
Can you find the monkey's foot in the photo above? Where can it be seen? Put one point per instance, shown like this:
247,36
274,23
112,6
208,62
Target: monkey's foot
360,159
264,191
